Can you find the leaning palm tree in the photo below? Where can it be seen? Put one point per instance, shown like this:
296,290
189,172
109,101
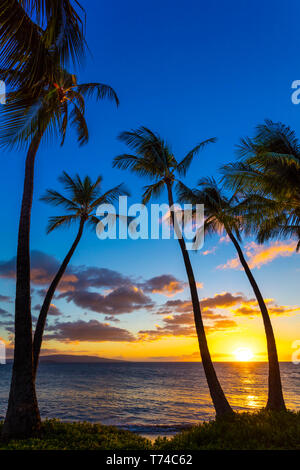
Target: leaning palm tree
25,122
269,171
155,160
82,199
220,216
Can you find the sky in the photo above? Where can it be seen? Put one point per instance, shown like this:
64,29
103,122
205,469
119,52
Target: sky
190,71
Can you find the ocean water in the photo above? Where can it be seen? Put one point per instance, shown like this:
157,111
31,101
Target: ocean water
149,398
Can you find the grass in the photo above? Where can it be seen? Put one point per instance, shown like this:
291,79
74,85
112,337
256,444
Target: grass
262,431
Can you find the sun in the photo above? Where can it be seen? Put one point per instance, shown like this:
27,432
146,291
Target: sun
243,354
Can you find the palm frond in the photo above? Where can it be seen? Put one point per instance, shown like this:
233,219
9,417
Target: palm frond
185,163
137,164
111,196
60,221
100,90
36,37
185,194
152,190
79,122
56,199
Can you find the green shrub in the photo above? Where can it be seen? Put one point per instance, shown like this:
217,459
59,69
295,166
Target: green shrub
79,436
261,430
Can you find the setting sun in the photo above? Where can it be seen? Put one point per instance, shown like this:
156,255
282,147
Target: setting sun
243,354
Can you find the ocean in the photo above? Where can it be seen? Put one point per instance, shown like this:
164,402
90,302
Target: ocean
149,398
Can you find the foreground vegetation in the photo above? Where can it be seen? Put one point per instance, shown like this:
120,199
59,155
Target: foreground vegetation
256,431
262,431
79,436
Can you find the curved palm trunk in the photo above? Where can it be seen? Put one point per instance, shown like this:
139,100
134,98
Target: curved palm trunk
22,417
40,326
220,402
275,395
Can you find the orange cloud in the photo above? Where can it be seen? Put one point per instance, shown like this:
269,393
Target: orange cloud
236,304
233,263
208,252
169,289
258,255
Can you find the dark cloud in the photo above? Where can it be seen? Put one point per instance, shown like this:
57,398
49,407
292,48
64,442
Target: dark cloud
165,284
53,310
4,312
208,304
223,300
92,330
44,268
5,298
8,268
99,277
8,323
111,318
124,299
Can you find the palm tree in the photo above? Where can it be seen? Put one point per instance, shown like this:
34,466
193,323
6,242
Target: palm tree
81,202
269,171
36,36
219,217
155,160
26,121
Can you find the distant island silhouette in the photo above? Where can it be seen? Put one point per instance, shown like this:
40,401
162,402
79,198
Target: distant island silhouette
72,358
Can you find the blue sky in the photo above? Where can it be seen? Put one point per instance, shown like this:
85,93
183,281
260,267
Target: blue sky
188,70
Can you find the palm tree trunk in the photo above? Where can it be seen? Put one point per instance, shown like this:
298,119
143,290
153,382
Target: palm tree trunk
40,326
220,402
22,417
275,395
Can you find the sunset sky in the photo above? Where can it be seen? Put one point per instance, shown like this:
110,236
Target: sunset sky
190,71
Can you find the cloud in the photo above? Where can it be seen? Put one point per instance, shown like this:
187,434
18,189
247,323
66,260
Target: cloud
178,318
111,318
165,284
5,298
121,300
92,276
207,304
4,313
224,239
118,293
208,252
223,300
251,308
44,267
183,325
92,331
53,310
258,255
233,263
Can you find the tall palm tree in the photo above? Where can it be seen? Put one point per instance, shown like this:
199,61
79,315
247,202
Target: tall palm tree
26,121
80,203
155,160
268,170
220,216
